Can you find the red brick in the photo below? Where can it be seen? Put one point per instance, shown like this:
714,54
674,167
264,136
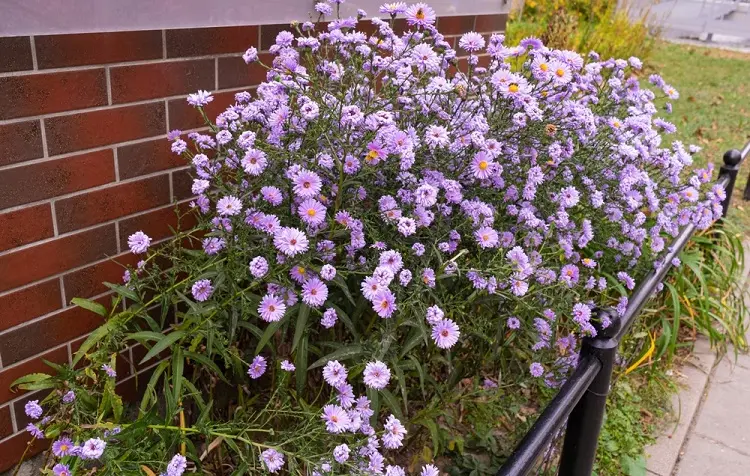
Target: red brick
35,94
210,41
89,281
37,336
53,257
455,25
149,81
44,180
112,202
55,51
16,54
36,365
6,425
20,141
182,184
104,127
12,449
25,226
183,116
235,73
29,303
491,23
147,157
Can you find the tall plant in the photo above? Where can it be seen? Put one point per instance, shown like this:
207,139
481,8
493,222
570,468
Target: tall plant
383,222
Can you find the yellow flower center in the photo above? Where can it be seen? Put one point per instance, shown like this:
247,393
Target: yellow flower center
543,67
420,14
372,155
301,270
485,237
513,88
311,212
560,72
483,165
384,304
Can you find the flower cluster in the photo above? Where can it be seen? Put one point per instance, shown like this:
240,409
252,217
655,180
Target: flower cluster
422,201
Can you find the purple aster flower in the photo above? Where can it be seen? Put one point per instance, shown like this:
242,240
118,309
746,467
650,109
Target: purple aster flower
486,237
109,370
429,470
394,433
569,275
34,431
445,333
471,41
258,267
287,366
482,165
327,272
434,315
199,99
626,279
33,410
199,186
272,195
418,249
61,470
536,369
428,277
341,453
420,14
62,447
213,245
254,162
272,460
229,206
391,470
334,373
202,290
513,322
139,242
394,8
384,303
257,367
377,375
271,308
307,184
569,197
312,212
69,397
251,55
335,418
290,241
93,448
176,466
404,277
314,292
323,8
329,318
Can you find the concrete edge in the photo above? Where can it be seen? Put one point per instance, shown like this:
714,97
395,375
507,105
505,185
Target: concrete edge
693,377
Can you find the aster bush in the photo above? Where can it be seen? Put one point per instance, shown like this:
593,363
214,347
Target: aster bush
385,223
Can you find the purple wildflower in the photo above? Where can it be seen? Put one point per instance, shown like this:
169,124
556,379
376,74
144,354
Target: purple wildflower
202,290
377,375
257,367
139,242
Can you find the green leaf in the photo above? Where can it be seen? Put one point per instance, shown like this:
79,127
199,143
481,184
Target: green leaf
31,378
633,466
178,364
151,387
268,333
299,328
123,291
202,359
343,353
344,318
93,338
90,305
341,284
144,336
392,402
300,361
165,342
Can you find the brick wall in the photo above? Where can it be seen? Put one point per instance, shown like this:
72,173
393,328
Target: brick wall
84,162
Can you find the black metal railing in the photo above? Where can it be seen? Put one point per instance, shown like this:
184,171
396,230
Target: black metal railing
582,399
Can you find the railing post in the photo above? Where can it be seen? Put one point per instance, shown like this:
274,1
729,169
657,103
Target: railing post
731,167
585,421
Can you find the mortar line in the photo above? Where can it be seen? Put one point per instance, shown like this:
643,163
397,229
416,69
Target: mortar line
62,292
34,61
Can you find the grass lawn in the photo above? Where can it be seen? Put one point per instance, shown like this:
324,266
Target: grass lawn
713,110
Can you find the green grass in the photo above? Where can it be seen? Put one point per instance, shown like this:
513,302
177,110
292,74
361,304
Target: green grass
713,110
